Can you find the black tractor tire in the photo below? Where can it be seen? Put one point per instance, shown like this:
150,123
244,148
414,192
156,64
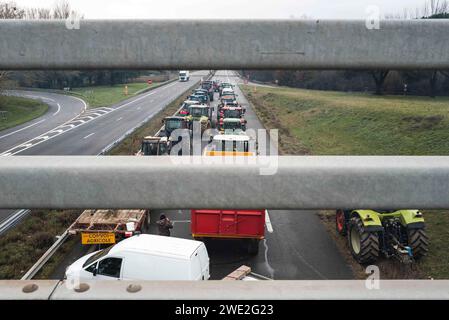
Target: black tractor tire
364,245
419,242
253,246
340,223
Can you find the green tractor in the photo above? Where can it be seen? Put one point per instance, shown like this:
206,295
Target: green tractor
199,113
393,233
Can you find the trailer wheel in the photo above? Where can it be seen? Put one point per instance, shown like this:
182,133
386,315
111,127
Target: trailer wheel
340,222
253,246
364,245
419,242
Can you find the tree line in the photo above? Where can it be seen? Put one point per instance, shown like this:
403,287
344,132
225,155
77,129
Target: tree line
424,82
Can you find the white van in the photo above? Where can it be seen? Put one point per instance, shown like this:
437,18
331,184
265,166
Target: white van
145,257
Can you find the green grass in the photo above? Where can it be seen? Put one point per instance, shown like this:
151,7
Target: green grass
24,244
335,123
19,110
103,96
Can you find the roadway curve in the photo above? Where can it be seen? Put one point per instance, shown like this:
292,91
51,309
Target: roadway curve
62,108
92,131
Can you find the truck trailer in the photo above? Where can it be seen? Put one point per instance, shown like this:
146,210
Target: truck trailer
244,225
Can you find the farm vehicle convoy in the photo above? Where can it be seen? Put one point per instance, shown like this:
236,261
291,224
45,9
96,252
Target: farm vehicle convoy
371,234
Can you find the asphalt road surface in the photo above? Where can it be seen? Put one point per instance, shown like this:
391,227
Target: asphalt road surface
89,133
62,108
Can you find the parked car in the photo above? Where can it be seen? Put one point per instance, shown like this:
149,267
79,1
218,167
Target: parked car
145,257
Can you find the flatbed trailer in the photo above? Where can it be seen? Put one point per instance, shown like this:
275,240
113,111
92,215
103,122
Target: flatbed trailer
109,226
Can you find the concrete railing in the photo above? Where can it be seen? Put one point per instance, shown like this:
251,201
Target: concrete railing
224,44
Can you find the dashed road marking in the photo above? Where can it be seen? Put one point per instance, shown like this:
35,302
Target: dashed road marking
89,135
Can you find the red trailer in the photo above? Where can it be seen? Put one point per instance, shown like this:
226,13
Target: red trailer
248,225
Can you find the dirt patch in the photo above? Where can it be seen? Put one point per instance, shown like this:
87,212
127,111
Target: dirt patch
389,268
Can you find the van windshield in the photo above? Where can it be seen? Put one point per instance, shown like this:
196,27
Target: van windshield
97,256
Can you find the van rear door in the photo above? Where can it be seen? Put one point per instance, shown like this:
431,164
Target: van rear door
200,264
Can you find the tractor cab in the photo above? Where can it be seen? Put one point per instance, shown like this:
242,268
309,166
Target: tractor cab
173,123
199,113
199,98
230,111
228,99
232,125
155,146
185,107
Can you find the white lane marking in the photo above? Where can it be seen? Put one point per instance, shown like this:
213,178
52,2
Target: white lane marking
119,119
21,149
6,224
84,102
59,109
31,125
267,263
268,222
89,135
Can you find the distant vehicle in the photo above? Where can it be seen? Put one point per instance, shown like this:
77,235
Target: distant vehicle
200,98
223,86
184,76
185,107
209,86
145,257
155,146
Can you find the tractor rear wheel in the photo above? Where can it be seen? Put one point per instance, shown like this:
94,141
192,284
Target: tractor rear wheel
364,245
419,242
340,222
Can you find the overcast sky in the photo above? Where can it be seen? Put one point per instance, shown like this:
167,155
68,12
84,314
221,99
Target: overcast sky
238,9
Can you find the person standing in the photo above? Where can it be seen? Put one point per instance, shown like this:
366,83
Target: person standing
164,225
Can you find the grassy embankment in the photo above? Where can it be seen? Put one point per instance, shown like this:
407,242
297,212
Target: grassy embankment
19,110
103,96
335,123
23,245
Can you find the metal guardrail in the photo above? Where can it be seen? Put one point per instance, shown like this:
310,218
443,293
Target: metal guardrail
45,257
225,290
299,182
224,44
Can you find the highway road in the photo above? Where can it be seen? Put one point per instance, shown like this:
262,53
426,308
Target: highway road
89,133
297,246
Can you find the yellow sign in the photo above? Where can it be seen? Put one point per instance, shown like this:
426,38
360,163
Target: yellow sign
98,238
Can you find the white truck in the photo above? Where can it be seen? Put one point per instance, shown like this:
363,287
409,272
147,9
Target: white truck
145,257
184,76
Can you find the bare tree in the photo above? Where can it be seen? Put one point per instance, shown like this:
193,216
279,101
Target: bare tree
379,78
435,7
62,10
37,13
9,10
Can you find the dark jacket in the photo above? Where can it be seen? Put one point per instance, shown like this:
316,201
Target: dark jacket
164,227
